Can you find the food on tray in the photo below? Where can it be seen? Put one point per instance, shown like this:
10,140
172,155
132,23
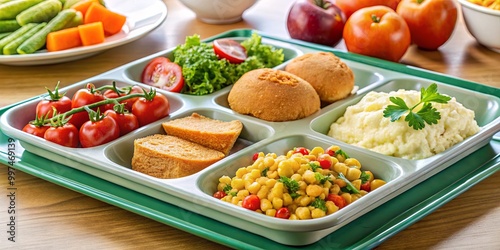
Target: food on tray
211,133
35,24
165,156
210,67
163,74
492,4
94,116
400,130
332,79
273,95
301,184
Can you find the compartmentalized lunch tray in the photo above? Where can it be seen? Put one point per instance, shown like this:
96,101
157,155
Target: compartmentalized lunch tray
474,171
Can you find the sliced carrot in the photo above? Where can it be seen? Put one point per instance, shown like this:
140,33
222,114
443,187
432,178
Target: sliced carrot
83,6
63,39
111,21
91,33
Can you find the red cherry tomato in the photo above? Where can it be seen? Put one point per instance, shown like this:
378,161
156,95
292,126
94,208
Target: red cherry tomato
230,50
366,186
255,156
81,98
251,202
325,161
302,150
339,201
148,111
96,133
431,22
127,122
65,135
219,194
377,31
351,6
45,108
163,74
282,213
35,130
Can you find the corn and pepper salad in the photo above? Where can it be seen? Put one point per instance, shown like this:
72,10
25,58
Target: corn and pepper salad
492,4
302,184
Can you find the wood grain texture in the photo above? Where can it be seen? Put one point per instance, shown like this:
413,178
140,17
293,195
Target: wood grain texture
53,217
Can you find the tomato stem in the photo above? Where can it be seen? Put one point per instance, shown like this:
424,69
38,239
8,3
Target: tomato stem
323,4
55,95
375,18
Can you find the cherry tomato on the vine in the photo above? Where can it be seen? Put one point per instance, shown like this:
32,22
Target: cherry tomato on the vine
95,133
230,50
35,130
81,98
148,111
65,135
127,122
251,202
377,31
431,22
163,74
55,100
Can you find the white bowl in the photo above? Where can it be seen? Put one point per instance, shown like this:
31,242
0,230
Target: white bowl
483,23
218,11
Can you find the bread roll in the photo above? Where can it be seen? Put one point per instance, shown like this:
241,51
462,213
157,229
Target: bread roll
332,79
273,95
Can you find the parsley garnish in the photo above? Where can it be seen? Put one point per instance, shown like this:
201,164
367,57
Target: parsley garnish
314,166
364,177
291,185
319,203
227,188
321,178
350,188
264,172
427,114
342,153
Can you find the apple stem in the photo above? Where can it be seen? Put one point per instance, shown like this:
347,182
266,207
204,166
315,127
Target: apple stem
322,4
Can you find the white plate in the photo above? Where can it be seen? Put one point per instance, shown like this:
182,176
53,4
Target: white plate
142,17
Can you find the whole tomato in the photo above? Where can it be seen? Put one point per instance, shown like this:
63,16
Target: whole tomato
36,130
351,6
55,100
127,122
63,134
98,131
377,31
431,22
81,98
151,108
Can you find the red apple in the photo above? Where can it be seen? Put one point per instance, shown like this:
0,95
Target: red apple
316,21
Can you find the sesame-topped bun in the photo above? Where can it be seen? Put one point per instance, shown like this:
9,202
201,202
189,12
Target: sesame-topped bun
273,95
332,79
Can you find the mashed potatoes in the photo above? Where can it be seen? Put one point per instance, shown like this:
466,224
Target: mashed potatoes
364,125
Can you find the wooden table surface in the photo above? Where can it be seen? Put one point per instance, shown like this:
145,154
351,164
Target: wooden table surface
52,217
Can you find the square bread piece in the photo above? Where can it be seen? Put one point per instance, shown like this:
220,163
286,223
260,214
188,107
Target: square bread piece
166,157
211,133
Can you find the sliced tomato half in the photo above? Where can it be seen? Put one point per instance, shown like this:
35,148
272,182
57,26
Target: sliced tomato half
163,74
230,49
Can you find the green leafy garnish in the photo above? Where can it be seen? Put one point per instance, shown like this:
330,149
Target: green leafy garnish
227,188
291,185
264,172
364,177
342,153
314,166
319,203
204,73
427,114
349,187
321,178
